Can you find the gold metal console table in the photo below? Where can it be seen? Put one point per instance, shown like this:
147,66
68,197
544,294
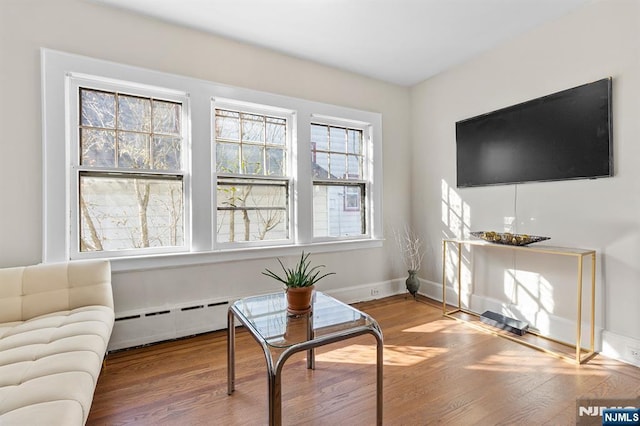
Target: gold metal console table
581,354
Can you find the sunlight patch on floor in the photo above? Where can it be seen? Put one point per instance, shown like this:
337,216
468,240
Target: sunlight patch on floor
402,356
519,362
429,327
443,326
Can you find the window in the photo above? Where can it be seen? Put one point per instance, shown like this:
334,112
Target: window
127,166
339,181
154,169
352,199
253,183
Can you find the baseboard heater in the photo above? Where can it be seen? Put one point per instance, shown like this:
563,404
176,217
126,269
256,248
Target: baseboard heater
505,323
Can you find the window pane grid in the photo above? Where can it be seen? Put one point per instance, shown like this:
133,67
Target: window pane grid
252,187
337,152
339,182
140,132
260,142
130,176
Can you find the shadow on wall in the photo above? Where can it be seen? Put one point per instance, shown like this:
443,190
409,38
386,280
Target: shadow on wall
527,295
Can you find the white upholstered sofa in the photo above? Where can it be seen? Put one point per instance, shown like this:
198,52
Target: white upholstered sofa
55,324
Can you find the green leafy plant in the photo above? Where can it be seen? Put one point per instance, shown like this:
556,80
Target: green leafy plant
301,275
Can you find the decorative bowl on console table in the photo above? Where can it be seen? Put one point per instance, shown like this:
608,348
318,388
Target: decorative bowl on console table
508,238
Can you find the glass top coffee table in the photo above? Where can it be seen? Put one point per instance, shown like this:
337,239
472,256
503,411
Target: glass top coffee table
281,335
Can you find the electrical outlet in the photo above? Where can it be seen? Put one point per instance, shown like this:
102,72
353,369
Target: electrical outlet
374,291
634,353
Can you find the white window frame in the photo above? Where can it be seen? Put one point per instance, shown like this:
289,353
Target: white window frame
364,182
265,110
56,110
74,83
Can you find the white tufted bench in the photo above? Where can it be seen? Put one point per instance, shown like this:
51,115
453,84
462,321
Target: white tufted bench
55,324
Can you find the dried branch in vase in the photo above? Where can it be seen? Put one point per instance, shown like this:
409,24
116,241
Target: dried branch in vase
410,246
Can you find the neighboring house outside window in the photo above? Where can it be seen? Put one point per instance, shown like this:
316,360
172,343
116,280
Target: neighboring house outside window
352,199
339,181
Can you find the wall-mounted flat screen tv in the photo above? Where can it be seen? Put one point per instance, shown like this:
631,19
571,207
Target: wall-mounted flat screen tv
565,135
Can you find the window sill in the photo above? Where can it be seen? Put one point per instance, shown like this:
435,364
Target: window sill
141,263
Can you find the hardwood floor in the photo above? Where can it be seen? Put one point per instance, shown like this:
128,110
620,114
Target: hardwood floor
436,370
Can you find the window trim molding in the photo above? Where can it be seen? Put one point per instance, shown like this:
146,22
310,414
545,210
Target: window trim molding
143,263
56,66
73,83
258,109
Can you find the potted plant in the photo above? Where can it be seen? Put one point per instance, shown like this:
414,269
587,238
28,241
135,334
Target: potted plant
412,254
299,283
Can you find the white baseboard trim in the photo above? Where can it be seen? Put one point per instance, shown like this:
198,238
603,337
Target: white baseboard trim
163,323
554,326
433,290
365,292
622,348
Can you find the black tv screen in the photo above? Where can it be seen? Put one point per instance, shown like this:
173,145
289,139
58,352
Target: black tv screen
565,135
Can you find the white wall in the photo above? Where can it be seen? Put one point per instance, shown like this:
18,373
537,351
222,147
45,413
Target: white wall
81,27
597,41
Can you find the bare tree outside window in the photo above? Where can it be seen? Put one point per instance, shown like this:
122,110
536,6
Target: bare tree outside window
130,176
252,183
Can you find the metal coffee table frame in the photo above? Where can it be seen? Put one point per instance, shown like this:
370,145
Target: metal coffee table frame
272,304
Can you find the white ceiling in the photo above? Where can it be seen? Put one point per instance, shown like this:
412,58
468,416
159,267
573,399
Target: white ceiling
398,41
